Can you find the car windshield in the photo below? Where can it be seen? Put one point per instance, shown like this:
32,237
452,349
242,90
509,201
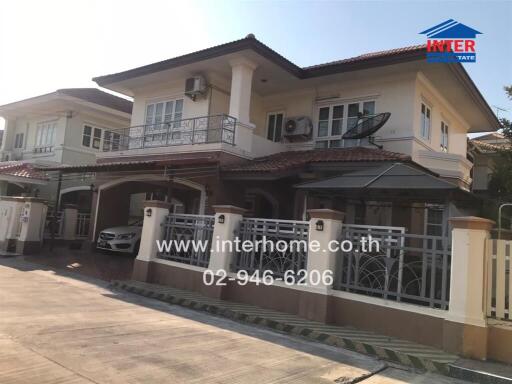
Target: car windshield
136,223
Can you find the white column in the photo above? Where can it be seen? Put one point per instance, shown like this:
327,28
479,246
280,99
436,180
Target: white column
467,281
465,325
70,215
227,219
241,88
33,217
324,226
155,213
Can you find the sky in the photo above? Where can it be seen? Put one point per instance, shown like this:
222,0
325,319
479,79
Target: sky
47,45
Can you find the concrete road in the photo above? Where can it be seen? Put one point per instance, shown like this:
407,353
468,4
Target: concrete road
56,327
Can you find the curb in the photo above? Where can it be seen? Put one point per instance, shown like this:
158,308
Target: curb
397,351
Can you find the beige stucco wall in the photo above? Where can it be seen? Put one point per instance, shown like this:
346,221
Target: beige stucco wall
401,94
454,163
67,148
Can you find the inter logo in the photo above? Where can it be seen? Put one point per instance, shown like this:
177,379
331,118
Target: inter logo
451,42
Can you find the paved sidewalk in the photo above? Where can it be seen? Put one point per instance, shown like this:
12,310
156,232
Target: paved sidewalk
59,327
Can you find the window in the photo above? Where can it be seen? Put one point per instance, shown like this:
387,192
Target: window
275,126
444,136
96,138
434,223
425,121
164,111
19,140
111,141
86,136
335,120
45,134
100,138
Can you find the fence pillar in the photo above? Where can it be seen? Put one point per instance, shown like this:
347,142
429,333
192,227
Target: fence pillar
155,213
465,329
33,217
324,226
70,220
227,219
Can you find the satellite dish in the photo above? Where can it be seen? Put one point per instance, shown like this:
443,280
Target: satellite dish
367,126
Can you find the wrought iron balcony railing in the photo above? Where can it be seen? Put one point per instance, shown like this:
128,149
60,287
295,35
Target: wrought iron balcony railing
197,130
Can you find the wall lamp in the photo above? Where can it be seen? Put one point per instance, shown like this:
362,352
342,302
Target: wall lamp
149,212
221,219
320,225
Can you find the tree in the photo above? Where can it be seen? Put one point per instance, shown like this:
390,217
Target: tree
508,90
500,184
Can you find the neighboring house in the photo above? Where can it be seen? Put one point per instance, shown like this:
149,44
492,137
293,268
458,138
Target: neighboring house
212,127
483,150
66,127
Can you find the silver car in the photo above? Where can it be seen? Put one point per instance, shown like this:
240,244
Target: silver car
124,239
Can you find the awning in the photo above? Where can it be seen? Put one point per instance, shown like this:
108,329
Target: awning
398,182
396,176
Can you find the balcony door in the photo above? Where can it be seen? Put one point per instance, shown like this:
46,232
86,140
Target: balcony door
164,124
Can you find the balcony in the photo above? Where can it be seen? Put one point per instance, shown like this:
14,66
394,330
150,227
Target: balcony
206,133
198,130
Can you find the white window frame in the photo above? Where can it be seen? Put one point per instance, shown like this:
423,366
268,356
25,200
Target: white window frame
425,131
157,131
428,223
19,143
104,144
275,113
344,122
46,132
445,136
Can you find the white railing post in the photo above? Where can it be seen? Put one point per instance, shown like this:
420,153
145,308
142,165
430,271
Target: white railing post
324,226
227,220
70,220
155,213
465,326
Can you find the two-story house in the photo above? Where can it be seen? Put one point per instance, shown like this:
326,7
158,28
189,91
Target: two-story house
240,124
65,127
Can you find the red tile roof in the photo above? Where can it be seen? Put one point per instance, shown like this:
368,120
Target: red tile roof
285,161
372,55
20,169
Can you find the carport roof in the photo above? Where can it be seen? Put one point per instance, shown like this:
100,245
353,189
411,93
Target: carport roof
397,176
22,172
130,165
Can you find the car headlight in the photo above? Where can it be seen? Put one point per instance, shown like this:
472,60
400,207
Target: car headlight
126,236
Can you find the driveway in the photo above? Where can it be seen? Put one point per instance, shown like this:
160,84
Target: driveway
57,327
103,265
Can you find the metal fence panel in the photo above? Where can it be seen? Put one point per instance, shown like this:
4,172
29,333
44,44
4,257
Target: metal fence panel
499,279
193,230
268,258
405,267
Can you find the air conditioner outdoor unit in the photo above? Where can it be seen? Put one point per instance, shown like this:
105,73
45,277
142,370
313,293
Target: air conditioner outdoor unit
195,86
298,128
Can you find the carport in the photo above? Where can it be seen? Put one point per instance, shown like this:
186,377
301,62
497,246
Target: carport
119,188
